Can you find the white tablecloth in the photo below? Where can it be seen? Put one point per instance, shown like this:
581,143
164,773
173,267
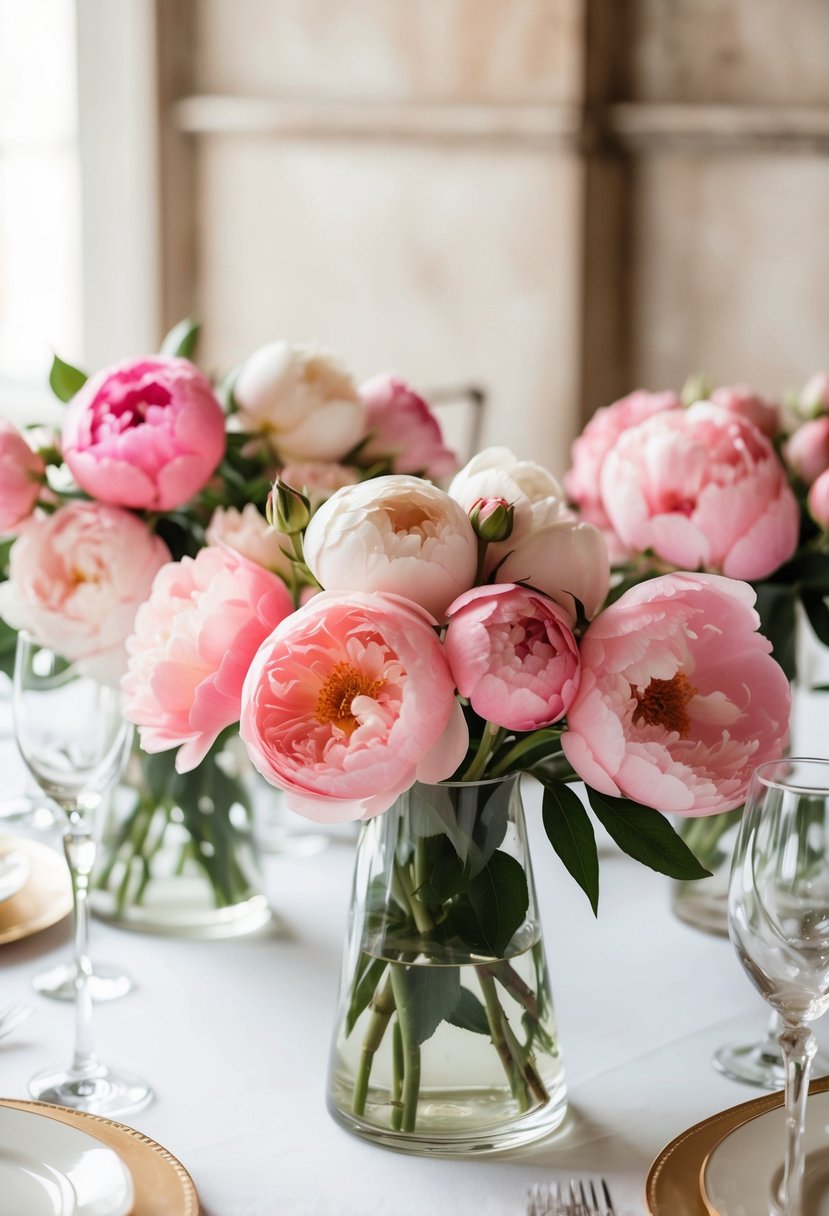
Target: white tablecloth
234,1036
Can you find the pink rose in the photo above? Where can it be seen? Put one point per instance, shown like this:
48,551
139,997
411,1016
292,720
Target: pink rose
21,477
819,500
402,428
807,450
396,534
193,643
147,433
701,488
743,401
598,437
679,699
348,703
513,655
76,579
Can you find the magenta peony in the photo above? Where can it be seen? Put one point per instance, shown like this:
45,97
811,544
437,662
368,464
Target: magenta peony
348,703
147,433
193,642
21,478
401,427
680,698
513,655
76,579
701,488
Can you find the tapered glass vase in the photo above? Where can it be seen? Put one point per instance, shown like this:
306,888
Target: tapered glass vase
446,1041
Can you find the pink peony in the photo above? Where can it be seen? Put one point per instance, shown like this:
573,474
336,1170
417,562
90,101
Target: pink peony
679,697
396,534
741,400
401,427
249,533
147,433
598,437
513,655
819,500
701,488
348,703
76,579
21,477
807,450
318,480
193,643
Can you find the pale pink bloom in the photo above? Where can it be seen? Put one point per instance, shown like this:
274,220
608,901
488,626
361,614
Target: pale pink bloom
814,396
21,477
819,500
76,579
567,560
807,450
318,480
348,703
402,428
396,534
146,433
534,494
701,488
592,446
680,698
249,533
513,655
194,640
741,400
303,400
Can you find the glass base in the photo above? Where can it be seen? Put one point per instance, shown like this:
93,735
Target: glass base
105,984
702,908
183,907
760,1064
444,1110
102,1092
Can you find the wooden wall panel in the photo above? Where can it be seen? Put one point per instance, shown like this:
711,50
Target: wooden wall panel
448,265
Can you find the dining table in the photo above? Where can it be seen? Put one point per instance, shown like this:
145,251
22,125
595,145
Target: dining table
234,1037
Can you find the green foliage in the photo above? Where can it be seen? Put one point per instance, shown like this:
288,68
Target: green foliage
425,997
182,339
570,832
647,836
65,380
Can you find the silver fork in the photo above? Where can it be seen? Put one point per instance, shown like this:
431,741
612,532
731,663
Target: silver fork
12,1013
574,1200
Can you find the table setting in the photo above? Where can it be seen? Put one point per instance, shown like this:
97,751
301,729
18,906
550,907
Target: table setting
505,708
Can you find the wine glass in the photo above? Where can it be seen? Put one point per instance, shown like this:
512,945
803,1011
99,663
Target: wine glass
74,741
778,920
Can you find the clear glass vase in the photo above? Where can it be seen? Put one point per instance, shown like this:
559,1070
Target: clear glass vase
178,852
446,1040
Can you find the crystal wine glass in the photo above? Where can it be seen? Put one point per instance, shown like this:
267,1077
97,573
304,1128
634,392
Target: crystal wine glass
74,741
778,919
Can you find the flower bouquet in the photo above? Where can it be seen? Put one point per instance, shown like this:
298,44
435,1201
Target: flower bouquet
152,464
455,641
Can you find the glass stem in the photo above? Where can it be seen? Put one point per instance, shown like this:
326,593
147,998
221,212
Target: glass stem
79,847
798,1046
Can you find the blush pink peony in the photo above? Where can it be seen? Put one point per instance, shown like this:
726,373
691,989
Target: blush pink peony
147,433
741,400
819,500
317,480
402,428
806,451
513,655
249,533
21,477
701,488
680,698
76,579
193,643
348,703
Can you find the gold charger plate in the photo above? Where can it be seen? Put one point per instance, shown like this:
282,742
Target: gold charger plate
44,900
162,1185
674,1185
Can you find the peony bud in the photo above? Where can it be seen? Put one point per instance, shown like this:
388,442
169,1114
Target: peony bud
492,518
287,509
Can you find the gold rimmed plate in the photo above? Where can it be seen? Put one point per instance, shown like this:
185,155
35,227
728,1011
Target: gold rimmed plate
161,1183
46,896
674,1186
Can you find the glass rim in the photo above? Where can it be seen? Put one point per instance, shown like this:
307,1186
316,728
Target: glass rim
762,774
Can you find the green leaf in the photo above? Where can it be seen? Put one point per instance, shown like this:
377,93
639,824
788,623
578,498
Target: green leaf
570,832
528,751
469,1014
429,996
65,380
818,614
182,339
499,899
363,989
489,827
776,607
444,874
646,835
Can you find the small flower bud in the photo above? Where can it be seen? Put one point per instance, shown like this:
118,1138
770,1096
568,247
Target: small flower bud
287,509
695,388
492,519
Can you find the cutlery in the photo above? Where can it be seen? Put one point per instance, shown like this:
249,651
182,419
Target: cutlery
574,1200
12,1013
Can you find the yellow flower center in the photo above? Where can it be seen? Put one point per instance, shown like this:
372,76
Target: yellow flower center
342,684
664,703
